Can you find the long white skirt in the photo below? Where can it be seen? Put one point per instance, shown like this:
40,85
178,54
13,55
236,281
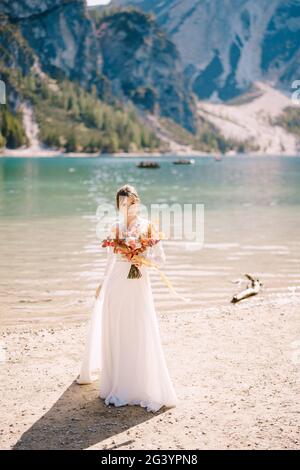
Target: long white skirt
124,343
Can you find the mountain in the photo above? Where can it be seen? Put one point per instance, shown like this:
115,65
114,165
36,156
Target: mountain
60,32
133,75
51,65
63,36
227,45
143,65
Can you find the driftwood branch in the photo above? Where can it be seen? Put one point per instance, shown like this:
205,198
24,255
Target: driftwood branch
252,289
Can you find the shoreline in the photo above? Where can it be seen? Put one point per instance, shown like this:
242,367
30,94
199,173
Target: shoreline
34,153
282,300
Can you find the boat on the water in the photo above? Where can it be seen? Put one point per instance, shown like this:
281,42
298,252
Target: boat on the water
148,164
184,161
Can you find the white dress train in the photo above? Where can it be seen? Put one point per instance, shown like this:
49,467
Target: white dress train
123,341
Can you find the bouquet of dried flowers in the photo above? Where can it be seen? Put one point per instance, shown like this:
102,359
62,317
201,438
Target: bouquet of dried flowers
132,248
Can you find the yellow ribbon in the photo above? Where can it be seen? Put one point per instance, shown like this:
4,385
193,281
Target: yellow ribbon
162,275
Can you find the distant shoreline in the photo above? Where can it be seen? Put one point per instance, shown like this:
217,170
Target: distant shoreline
43,153
100,155
36,153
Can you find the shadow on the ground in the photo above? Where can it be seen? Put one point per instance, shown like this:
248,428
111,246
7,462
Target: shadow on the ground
80,419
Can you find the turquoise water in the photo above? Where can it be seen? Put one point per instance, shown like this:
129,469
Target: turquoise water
39,187
49,249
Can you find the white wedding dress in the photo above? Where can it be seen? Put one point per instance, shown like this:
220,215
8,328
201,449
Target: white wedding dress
123,341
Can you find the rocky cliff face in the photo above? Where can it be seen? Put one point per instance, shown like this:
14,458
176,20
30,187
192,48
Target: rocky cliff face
226,45
280,48
143,65
61,34
126,53
15,55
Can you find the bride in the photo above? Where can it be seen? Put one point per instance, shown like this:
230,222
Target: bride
123,340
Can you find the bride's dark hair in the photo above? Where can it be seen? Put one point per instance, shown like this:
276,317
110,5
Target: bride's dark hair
128,191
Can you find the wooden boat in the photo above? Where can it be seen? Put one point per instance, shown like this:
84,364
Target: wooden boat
184,161
148,164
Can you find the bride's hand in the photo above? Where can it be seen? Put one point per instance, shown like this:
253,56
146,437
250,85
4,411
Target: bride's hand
98,291
136,262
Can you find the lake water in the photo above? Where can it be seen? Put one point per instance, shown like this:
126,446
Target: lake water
50,255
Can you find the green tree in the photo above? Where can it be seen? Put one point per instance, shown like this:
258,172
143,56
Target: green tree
71,144
2,141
